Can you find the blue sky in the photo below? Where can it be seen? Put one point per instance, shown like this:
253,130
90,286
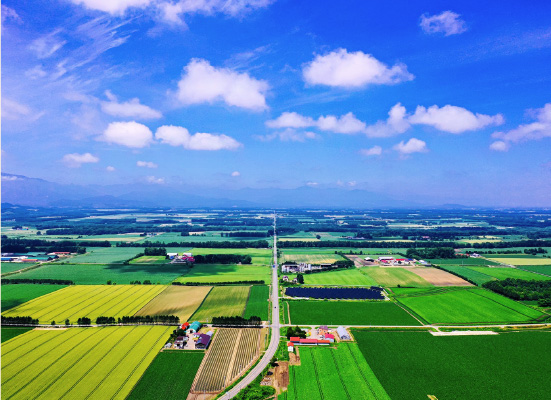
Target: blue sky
247,93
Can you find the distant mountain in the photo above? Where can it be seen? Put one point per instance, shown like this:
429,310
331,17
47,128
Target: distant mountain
22,190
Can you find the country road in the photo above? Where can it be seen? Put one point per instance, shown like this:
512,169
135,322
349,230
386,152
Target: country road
274,342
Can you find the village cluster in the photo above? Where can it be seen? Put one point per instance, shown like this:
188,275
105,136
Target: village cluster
186,258
192,339
323,336
33,257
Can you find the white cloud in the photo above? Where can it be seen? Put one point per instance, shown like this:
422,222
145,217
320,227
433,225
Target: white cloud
47,45
236,173
352,70
291,120
129,109
352,183
346,123
146,164
373,151
447,22
453,119
180,136
395,124
9,178
35,72
75,160
113,6
13,110
154,180
312,184
129,134
500,145
537,130
203,83
413,145
110,168
10,14
288,135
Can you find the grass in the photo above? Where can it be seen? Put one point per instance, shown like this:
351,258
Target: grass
95,274
310,258
226,273
474,305
520,260
90,301
412,365
392,276
461,261
258,303
10,333
504,273
223,301
94,363
328,373
14,295
259,256
14,266
150,260
343,277
106,255
540,269
181,301
468,273
312,312
169,376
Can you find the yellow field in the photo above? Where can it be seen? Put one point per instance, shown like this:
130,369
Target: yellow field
181,301
523,261
92,301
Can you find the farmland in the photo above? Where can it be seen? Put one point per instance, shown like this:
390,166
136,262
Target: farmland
232,352
105,255
223,301
504,273
539,269
207,273
391,276
310,258
312,312
327,373
181,301
258,303
150,260
169,376
345,277
335,293
521,260
259,256
10,333
94,363
462,261
477,277
412,365
92,301
438,277
474,305
14,295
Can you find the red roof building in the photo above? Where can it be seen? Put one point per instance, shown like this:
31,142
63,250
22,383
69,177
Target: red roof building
324,342
309,341
328,336
295,339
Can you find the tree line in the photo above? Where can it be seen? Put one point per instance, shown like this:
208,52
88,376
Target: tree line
223,259
18,320
520,289
244,234
236,321
37,281
428,244
238,244
218,283
437,252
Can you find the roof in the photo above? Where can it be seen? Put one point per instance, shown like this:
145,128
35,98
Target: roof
329,336
196,325
204,339
289,344
324,341
294,339
342,332
323,327
313,341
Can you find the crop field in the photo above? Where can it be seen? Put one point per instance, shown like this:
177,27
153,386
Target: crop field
223,301
181,301
504,273
521,260
120,237
226,273
341,277
474,305
412,365
327,373
10,333
462,261
94,363
310,258
539,269
150,260
232,352
209,236
74,302
14,295
477,277
393,276
105,255
7,267
258,303
437,277
313,312
96,274
259,256
169,376
335,293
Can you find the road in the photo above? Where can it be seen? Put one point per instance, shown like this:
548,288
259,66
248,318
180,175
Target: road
274,342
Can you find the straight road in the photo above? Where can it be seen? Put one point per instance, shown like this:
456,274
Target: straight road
274,342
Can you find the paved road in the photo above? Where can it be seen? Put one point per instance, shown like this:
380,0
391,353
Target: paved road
274,342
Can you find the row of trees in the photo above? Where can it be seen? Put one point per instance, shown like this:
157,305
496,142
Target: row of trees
236,321
37,281
218,283
154,251
23,320
427,244
238,244
223,259
245,234
520,289
437,252
295,332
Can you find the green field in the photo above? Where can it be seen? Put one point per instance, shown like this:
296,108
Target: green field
258,303
96,274
10,333
310,258
169,376
521,260
7,267
105,255
210,236
461,261
223,301
226,273
504,273
326,373
412,365
540,269
259,256
14,295
312,312
391,276
342,277
150,260
92,301
458,306
468,273
78,363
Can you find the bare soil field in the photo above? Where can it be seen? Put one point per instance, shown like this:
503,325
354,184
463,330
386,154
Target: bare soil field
438,277
359,261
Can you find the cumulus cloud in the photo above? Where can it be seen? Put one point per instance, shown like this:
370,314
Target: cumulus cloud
340,68
154,180
413,145
113,6
236,173
45,46
180,136
146,164
453,119
130,109
203,83
396,123
448,23
110,168
75,160
346,123
373,151
129,134
288,135
291,120
500,145
537,130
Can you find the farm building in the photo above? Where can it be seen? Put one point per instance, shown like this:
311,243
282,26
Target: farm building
193,328
309,342
369,259
343,333
322,330
180,340
386,259
323,342
294,339
330,337
290,347
203,342
184,326
171,256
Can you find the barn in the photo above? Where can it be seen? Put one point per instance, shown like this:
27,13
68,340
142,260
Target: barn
343,333
193,328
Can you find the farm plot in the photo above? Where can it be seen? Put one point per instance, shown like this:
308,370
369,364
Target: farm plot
14,295
310,258
437,277
539,269
462,261
335,293
181,301
258,303
343,277
476,305
10,333
391,276
223,301
169,376
327,373
504,273
106,255
475,276
312,312
92,301
91,363
412,365
150,260
259,256
207,273
232,352
521,260
96,274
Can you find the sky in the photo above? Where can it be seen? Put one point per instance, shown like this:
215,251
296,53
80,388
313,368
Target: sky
448,101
